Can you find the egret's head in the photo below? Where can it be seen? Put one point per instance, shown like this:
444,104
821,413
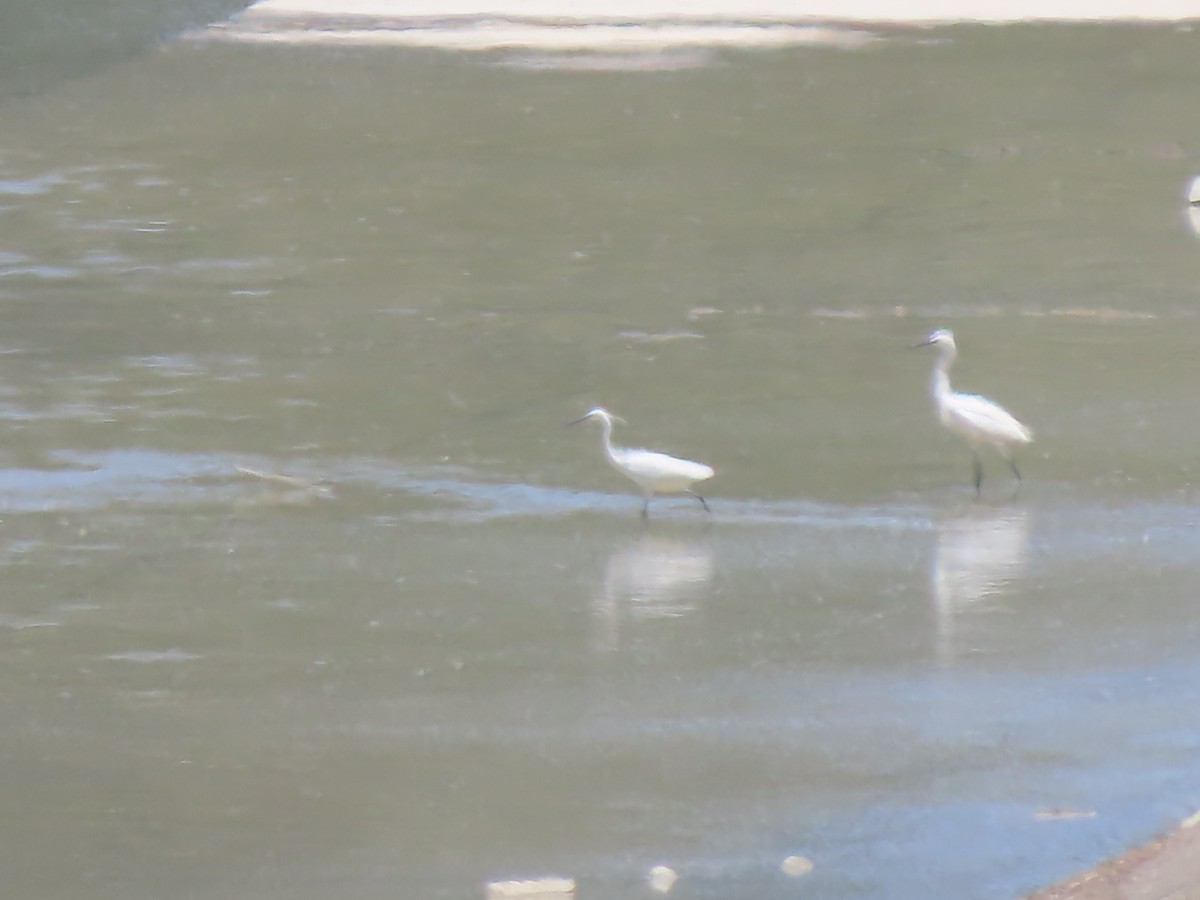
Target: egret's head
599,414
943,338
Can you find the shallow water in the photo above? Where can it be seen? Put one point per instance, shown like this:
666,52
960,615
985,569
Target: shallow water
310,592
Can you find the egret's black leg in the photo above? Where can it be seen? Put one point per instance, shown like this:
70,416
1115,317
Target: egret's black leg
978,473
646,507
1012,464
703,502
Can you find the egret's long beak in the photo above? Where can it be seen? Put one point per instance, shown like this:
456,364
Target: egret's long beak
924,343
582,418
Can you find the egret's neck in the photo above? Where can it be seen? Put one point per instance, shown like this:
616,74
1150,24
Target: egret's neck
606,437
939,383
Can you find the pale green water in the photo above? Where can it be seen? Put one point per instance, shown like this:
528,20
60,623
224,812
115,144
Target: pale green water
399,273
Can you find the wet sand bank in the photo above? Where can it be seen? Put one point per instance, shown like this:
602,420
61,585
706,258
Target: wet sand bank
1167,868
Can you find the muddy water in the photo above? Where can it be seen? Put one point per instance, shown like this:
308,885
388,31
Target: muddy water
308,591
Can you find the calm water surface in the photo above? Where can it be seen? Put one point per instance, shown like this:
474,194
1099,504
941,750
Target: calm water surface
444,649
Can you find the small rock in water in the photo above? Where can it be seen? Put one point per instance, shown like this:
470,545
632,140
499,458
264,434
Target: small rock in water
533,889
662,878
796,866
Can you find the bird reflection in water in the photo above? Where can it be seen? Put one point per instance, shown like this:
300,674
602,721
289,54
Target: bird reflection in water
655,577
978,553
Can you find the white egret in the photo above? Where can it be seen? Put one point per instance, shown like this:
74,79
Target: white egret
653,472
976,419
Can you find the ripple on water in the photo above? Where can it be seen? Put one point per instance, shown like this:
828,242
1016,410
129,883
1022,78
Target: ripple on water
456,494
21,623
32,186
173,655
45,272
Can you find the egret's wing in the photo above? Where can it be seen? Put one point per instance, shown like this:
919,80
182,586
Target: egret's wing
660,467
984,419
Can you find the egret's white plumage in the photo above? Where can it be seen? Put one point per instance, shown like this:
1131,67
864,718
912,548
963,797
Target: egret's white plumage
976,419
653,472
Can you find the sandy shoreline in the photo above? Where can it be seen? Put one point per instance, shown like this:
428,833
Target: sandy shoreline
646,25
893,11
1167,868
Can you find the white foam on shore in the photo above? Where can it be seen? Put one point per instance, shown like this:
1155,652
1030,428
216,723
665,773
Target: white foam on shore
643,26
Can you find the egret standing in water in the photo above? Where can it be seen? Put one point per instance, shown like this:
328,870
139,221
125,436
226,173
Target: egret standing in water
976,419
653,472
